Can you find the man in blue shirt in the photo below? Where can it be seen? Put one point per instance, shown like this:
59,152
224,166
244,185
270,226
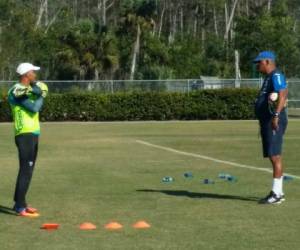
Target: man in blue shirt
270,109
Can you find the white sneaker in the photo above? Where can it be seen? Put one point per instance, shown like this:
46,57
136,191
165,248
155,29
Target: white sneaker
272,198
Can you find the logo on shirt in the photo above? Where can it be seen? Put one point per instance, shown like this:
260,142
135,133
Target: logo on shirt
278,78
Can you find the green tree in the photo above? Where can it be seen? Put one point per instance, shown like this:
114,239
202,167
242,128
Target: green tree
88,53
269,31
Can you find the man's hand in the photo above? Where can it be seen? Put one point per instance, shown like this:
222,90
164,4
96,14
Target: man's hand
275,121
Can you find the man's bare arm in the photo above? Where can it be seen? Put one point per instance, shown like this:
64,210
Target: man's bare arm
282,100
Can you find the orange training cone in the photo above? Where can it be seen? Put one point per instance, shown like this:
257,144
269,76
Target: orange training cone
50,226
113,226
87,226
141,225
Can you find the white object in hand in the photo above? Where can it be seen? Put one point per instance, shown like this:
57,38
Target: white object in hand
273,97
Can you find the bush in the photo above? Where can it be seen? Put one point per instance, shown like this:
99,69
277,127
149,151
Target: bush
138,106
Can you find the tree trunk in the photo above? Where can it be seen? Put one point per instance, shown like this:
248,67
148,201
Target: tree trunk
269,5
181,21
173,26
136,51
75,11
196,21
46,13
82,73
103,6
161,20
226,14
42,9
203,27
228,25
52,20
99,11
154,28
216,22
174,29
295,26
96,73
237,69
104,12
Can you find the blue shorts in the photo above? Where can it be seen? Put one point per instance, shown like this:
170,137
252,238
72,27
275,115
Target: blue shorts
272,140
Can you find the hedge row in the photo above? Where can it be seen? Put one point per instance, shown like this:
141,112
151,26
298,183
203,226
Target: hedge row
198,105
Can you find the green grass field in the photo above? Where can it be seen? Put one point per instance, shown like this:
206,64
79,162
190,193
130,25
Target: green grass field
97,172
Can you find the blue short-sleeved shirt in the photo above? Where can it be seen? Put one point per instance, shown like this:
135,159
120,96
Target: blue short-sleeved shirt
274,82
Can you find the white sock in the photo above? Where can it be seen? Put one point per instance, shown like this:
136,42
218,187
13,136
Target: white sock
277,186
281,180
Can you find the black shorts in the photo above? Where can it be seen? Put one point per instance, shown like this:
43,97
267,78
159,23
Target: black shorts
272,140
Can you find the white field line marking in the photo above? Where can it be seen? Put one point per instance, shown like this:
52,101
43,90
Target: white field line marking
204,157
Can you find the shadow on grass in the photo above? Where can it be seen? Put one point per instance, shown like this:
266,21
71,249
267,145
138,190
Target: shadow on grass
7,210
184,193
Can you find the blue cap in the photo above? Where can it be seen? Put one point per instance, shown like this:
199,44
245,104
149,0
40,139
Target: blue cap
265,55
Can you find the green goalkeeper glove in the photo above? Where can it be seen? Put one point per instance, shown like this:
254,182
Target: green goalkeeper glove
44,88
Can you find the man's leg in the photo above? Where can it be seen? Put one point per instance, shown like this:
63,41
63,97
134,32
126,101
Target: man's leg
272,145
277,166
26,148
30,209
277,174
275,152
36,148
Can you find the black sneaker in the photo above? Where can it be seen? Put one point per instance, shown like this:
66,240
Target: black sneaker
272,198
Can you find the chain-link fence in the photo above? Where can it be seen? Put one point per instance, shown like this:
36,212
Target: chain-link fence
294,98
115,86
183,86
